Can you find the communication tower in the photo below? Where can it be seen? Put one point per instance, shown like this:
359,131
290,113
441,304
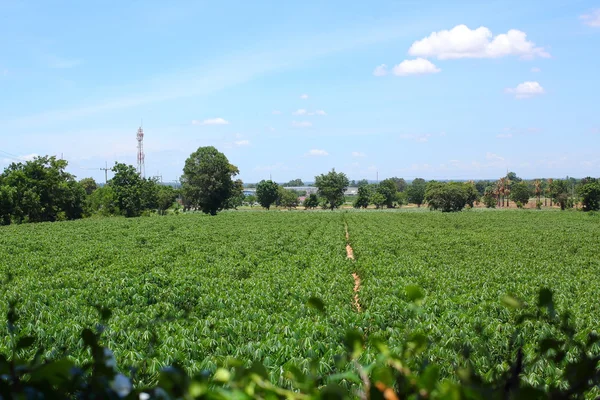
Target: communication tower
141,167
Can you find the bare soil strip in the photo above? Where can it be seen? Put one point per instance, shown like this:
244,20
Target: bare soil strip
350,255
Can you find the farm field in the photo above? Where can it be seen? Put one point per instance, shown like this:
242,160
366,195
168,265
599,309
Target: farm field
197,289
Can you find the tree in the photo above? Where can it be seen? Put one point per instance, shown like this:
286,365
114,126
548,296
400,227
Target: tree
207,180
589,192
416,191
7,203
489,197
267,193
288,199
89,185
511,176
447,197
520,193
364,197
362,182
311,202
236,198
40,190
165,198
127,187
102,201
250,199
472,195
559,192
400,184
378,199
331,187
537,184
294,183
388,189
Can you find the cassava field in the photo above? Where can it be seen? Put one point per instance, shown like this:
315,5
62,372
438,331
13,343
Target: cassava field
196,289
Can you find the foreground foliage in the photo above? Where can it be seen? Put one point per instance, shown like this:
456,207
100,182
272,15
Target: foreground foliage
387,377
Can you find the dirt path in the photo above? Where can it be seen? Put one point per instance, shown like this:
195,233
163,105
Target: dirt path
350,256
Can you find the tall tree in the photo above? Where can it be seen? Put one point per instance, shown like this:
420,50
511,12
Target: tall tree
165,198
362,182
207,180
447,196
520,194
400,184
267,193
589,192
364,197
416,191
388,189
311,202
40,190
89,185
127,187
538,190
288,198
559,192
331,187
236,198
294,183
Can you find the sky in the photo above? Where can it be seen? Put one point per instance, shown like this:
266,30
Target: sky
292,89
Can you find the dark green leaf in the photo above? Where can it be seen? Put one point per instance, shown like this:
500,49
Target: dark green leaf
25,342
317,304
414,293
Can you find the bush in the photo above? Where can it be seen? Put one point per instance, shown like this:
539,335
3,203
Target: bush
447,197
538,204
489,201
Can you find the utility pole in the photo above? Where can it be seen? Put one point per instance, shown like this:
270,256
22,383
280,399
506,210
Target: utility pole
105,169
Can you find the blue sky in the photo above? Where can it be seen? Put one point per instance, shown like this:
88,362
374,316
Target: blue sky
292,89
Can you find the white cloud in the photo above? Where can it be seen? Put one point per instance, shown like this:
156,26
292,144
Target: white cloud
304,96
358,154
526,89
418,66
592,19
299,112
211,121
504,136
241,143
302,124
416,137
317,153
380,70
493,157
462,42
320,112
276,112
536,69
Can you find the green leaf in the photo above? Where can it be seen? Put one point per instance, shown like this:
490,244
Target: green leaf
354,343
89,338
414,293
25,342
222,375
53,373
545,298
429,378
550,344
511,302
317,304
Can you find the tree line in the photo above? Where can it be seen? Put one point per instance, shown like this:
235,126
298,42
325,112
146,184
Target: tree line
41,190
